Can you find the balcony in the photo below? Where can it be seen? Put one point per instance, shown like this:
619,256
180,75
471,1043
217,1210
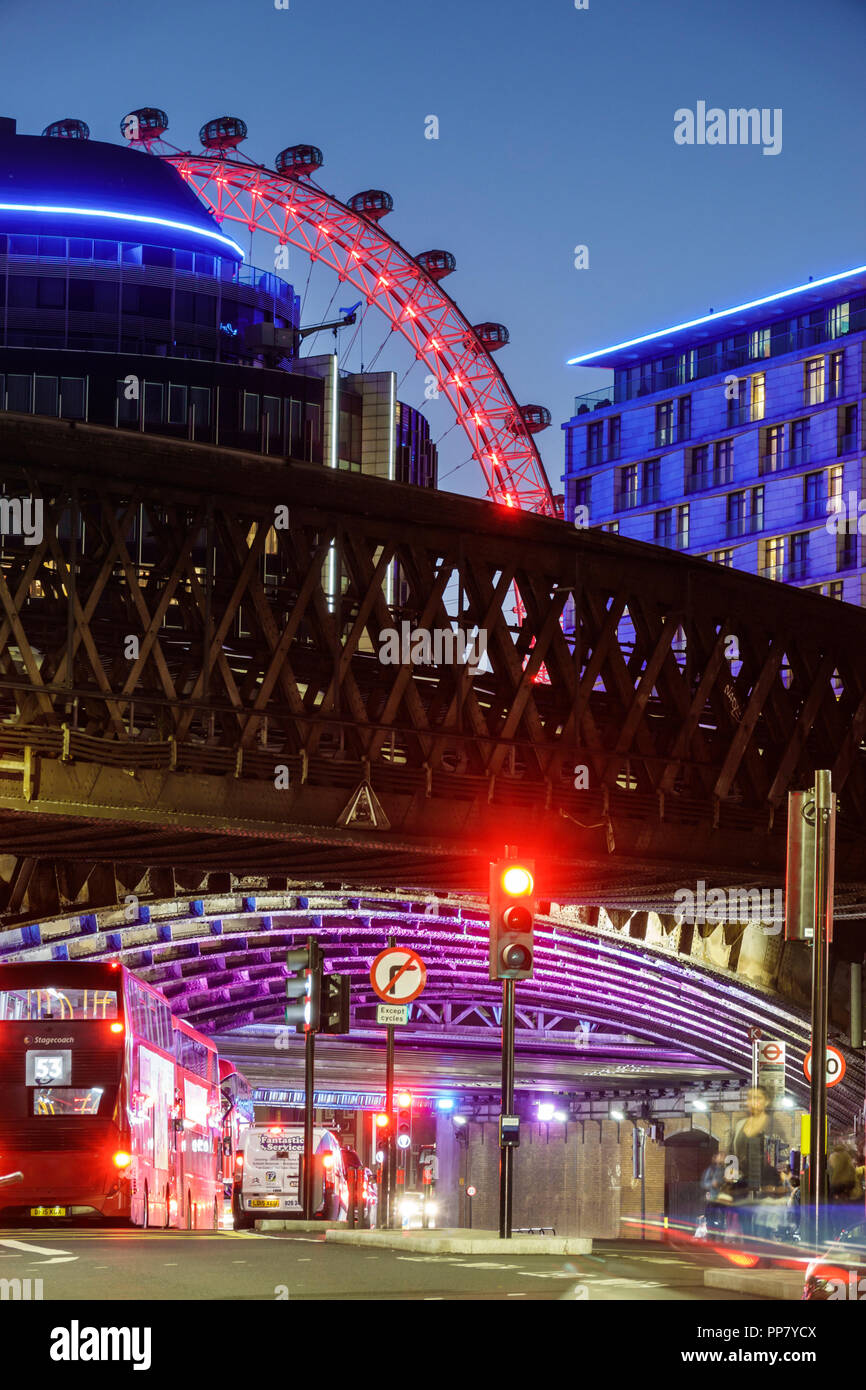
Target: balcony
744,414
737,526
848,444
669,435
816,509
674,540
786,571
638,497
608,453
594,400
713,477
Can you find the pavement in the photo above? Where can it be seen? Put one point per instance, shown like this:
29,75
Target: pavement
780,1284
461,1242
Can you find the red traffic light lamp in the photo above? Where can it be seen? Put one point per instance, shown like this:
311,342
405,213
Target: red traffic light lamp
512,916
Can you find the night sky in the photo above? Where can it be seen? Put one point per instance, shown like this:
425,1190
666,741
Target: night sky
555,129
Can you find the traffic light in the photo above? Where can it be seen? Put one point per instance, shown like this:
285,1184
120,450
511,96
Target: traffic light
304,987
404,1120
512,915
334,1011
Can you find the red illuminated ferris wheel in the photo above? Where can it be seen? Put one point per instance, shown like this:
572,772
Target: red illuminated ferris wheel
348,238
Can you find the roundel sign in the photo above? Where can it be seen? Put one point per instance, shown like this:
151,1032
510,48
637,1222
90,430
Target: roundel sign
772,1053
835,1066
398,975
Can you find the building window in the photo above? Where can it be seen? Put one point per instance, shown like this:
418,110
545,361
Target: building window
759,343
664,424
846,550
614,433
757,512
613,528
582,497
848,441
814,380
73,397
154,403
736,514
250,421
759,395
671,526
798,552
839,319
127,406
177,405
773,455
724,557
594,435
687,366
47,396
837,374
684,418
814,502
799,442
723,465
698,477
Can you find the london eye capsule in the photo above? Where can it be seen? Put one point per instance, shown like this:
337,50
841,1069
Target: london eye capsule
299,161
492,335
68,130
373,203
437,263
225,133
148,123
535,417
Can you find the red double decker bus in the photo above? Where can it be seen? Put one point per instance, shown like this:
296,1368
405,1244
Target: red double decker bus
198,1130
89,1087
238,1114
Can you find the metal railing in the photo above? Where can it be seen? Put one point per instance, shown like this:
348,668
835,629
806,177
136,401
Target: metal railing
674,540
744,525
639,497
786,571
711,477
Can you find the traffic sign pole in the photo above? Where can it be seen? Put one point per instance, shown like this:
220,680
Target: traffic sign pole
389,1107
825,811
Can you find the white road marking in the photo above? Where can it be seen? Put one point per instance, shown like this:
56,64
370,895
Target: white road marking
34,1249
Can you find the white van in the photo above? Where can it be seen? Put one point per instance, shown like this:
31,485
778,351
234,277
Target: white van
266,1179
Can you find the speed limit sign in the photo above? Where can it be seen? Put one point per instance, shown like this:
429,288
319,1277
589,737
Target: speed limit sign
835,1066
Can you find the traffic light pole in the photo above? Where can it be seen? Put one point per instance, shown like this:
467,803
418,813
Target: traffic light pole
820,981
309,1069
309,1081
506,1152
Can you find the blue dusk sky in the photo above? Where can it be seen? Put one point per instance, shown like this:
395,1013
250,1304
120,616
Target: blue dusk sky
556,129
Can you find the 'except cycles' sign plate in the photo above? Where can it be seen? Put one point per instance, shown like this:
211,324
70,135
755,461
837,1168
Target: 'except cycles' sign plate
398,975
392,1013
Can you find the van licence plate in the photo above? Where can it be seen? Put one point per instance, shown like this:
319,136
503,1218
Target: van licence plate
263,1202
47,1211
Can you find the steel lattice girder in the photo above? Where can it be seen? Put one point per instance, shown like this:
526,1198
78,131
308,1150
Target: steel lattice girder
242,665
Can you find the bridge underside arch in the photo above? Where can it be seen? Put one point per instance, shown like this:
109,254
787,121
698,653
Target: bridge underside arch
221,963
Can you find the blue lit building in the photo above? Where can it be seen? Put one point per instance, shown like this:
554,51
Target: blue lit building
736,436
124,304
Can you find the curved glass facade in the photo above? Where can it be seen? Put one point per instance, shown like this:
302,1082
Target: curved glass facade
109,296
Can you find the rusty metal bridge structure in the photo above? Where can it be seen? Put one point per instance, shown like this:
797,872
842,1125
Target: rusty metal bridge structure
186,687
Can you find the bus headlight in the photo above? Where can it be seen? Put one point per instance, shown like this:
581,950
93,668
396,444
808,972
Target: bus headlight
122,1159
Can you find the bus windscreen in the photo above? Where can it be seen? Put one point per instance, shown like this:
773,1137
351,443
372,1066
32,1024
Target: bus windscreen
56,1005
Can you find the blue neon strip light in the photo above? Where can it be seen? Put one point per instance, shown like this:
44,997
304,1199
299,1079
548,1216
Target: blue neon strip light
142,218
723,313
